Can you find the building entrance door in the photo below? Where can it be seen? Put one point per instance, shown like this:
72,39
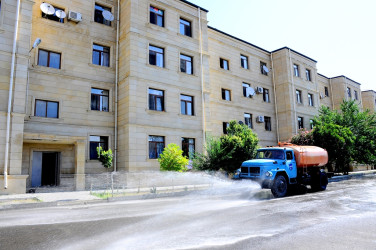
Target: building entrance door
45,169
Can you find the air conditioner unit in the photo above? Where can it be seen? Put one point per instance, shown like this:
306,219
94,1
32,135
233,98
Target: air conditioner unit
260,119
259,90
74,16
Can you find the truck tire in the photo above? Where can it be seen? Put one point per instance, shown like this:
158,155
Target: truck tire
320,183
279,187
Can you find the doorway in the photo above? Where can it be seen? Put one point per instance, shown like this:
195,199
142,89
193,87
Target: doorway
45,169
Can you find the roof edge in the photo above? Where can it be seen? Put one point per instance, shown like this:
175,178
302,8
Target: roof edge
345,78
370,90
296,52
194,5
323,76
236,38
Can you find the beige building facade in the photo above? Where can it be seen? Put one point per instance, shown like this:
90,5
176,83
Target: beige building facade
134,76
369,100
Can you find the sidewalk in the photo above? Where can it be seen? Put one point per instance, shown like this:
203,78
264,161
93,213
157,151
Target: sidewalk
35,200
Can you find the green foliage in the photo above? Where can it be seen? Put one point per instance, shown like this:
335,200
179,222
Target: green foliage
338,141
172,159
303,137
105,157
348,135
229,151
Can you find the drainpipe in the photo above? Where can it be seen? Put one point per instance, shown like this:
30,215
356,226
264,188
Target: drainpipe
36,44
202,80
275,99
11,95
293,92
331,92
116,84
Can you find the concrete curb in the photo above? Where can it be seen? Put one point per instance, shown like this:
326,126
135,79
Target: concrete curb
352,175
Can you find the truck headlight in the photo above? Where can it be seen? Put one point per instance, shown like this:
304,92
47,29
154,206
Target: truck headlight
269,174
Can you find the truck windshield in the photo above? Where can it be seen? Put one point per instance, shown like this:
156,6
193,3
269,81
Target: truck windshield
270,154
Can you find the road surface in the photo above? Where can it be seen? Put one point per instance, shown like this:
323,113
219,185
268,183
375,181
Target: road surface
236,216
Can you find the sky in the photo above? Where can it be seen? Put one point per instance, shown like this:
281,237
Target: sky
339,34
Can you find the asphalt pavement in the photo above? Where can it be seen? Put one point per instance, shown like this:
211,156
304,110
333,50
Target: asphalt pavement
35,200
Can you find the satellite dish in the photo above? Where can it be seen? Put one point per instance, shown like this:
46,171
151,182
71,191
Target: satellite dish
250,91
47,9
265,69
107,15
60,14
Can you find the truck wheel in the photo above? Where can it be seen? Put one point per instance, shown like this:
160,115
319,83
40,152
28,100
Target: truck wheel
320,183
279,187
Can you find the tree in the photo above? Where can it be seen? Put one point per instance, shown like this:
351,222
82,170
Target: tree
172,159
338,141
362,126
229,151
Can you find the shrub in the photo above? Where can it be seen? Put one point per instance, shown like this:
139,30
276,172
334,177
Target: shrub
303,137
172,159
105,157
229,151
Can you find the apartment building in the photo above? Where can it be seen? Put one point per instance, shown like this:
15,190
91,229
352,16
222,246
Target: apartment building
134,76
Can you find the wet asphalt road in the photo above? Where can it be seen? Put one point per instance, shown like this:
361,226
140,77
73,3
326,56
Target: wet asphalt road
236,216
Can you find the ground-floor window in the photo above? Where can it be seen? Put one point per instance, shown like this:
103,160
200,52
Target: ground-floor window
188,146
96,141
156,146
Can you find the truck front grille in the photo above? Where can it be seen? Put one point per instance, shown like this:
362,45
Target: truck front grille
250,170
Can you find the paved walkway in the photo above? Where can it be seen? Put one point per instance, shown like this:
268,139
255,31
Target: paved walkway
32,200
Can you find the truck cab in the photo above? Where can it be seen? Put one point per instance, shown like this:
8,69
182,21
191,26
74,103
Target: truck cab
269,163
277,168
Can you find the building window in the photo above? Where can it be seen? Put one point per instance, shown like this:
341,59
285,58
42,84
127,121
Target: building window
265,95
356,95
99,99
156,146
326,91
310,100
156,16
299,96
186,64
225,125
185,27
308,75
300,122
268,123
226,94
348,92
101,55
156,99
186,105
97,141
188,147
46,109
311,124
223,63
156,56
264,68
246,88
98,14
296,70
244,61
53,17
49,59
248,120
